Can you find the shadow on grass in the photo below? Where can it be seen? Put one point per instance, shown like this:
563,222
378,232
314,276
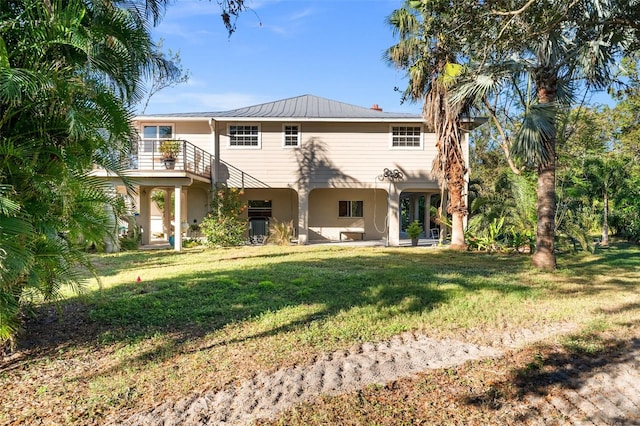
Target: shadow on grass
192,304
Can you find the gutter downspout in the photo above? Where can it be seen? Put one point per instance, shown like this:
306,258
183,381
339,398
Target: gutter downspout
215,162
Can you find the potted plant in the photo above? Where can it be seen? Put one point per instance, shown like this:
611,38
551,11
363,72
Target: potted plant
414,230
169,149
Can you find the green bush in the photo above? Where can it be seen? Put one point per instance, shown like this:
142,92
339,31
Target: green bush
223,226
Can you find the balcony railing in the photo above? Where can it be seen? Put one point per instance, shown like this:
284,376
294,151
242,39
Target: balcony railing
146,156
190,158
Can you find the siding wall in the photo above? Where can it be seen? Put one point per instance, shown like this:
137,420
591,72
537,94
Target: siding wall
331,155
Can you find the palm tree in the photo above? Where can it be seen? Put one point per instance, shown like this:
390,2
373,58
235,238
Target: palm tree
68,71
604,176
547,48
428,55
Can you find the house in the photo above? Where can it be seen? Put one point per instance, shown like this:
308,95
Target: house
338,171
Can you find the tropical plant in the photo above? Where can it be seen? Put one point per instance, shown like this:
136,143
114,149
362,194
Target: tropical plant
429,53
542,49
223,225
414,229
170,148
280,233
68,70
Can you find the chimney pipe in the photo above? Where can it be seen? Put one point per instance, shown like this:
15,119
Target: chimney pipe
375,107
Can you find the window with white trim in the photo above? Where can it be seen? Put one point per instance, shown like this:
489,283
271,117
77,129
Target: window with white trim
291,135
154,133
244,135
350,208
406,136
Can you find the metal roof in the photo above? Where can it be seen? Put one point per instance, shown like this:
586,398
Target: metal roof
305,107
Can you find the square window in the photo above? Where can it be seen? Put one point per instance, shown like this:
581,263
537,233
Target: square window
291,134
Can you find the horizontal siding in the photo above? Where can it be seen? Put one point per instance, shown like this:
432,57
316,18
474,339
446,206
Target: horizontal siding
331,155
198,133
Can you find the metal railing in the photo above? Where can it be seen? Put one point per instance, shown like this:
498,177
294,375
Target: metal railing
147,156
235,177
189,158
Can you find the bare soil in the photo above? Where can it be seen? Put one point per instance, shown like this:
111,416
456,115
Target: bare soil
600,390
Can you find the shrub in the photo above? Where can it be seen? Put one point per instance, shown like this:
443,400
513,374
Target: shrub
280,233
223,225
414,230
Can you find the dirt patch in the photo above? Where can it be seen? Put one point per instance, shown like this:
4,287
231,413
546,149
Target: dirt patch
330,374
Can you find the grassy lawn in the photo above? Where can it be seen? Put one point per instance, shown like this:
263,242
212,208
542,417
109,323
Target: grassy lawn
202,319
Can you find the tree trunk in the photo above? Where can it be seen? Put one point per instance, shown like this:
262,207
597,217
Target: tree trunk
544,256
605,222
457,232
457,206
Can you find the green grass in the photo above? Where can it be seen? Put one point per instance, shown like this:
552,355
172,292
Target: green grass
201,319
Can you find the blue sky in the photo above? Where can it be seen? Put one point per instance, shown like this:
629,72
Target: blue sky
281,49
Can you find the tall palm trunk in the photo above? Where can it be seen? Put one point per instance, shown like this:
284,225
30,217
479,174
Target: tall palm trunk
449,164
605,221
455,171
544,256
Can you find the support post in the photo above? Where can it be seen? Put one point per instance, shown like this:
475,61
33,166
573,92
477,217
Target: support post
177,246
393,238
303,216
145,214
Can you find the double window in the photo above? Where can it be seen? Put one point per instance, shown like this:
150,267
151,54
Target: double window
350,208
153,134
406,136
244,135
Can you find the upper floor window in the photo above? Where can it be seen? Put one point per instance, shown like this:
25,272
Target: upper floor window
153,134
291,134
350,208
244,135
406,136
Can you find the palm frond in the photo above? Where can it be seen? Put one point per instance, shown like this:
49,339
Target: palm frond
538,128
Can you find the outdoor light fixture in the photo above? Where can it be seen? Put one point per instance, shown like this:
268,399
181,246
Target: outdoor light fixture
392,175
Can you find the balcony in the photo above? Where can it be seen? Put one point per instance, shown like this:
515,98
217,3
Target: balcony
146,156
147,160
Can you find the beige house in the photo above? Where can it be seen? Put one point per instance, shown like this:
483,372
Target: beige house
338,171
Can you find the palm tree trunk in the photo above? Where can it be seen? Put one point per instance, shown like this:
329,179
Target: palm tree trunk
544,256
605,222
456,184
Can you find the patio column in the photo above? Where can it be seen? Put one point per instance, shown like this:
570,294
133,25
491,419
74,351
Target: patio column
111,242
393,236
177,244
166,221
427,215
144,220
303,216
